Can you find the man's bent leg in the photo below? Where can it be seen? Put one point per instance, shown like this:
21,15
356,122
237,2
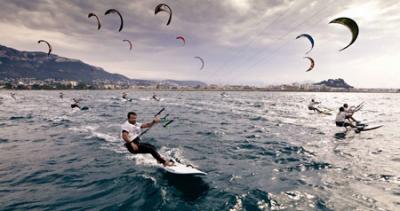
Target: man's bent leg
148,148
319,111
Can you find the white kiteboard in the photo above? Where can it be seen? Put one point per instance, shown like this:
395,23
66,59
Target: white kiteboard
370,128
182,169
126,100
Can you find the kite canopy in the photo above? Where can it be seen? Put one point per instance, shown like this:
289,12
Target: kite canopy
352,25
114,11
309,39
201,60
48,45
164,8
97,18
181,38
312,64
130,44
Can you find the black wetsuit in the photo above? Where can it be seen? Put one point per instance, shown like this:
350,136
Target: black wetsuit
155,98
75,106
343,124
144,148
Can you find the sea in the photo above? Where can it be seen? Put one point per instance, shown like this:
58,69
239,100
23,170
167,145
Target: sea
260,150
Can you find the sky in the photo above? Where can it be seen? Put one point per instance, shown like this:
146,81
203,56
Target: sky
244,42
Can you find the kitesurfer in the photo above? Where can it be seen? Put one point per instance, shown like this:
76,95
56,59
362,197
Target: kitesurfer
76,103
312,106
342,120
130,132
155,97
12,94
124,95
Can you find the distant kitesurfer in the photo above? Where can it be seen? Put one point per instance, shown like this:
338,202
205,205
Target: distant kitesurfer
312,106
130,132
76,103
342,120
61,95
155,97
12,94
124,95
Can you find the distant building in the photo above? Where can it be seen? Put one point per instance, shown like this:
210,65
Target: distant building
73,83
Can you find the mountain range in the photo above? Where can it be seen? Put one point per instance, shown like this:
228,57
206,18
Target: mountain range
335,83
15,64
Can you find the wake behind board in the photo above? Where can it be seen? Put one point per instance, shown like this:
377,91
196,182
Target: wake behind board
326,113
84,108
182,169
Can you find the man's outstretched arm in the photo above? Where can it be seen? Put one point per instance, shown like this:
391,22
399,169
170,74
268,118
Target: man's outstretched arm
150,124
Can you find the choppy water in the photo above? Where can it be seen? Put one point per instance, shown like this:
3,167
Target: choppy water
262,151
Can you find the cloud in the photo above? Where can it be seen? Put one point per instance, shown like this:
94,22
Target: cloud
241,6
242,41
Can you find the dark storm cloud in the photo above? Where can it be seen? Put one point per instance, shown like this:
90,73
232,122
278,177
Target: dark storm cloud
240,36
196,18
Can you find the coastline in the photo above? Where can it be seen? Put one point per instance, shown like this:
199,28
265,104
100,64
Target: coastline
393,91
